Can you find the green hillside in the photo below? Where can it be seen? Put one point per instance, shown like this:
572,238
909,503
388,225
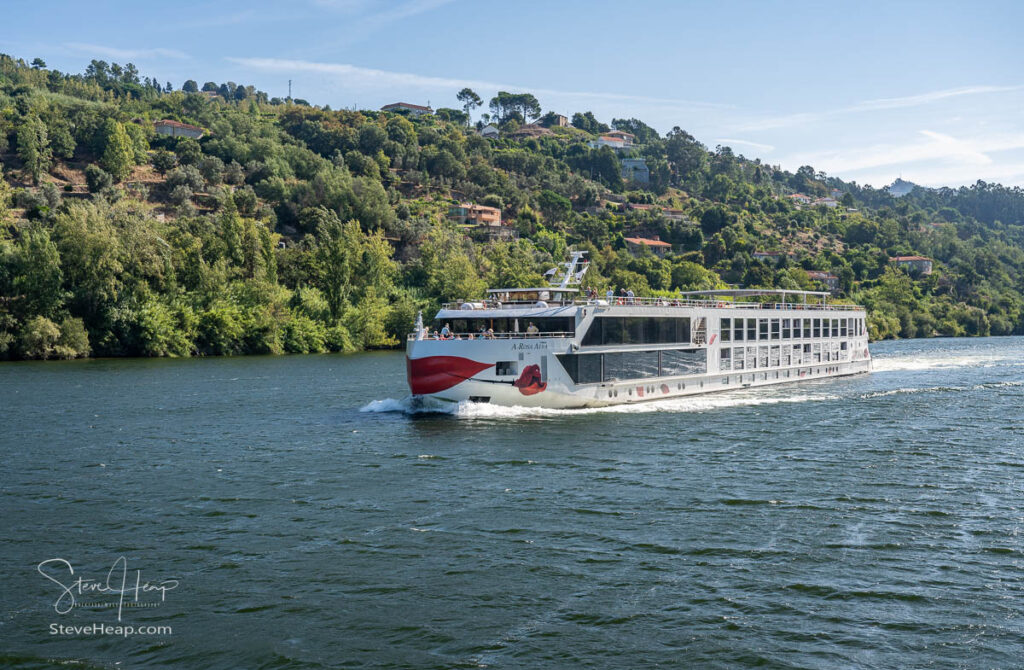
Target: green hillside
291,228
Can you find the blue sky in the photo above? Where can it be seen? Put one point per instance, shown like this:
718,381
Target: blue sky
867,91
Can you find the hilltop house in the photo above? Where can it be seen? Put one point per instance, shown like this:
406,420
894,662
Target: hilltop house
469,214
627,138
636,244
830,281
918,264
831,203
616,139
412,110
635,169
490,132
799,199
177,129
768,255
553,120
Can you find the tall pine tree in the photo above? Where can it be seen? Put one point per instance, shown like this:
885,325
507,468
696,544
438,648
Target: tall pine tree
119,153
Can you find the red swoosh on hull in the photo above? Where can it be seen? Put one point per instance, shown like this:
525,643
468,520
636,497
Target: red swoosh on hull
432,374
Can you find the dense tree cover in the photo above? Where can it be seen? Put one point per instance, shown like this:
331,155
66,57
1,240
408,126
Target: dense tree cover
291,228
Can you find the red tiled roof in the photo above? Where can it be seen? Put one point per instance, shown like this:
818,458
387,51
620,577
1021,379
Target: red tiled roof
650,243
176,124
896,259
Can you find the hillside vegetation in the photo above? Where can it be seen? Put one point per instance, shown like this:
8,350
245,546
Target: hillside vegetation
291,228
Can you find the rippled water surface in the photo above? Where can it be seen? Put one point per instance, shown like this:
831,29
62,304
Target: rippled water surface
311,520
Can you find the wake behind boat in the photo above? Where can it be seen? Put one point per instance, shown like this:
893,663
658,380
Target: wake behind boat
552,347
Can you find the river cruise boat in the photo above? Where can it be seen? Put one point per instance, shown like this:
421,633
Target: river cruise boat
553,347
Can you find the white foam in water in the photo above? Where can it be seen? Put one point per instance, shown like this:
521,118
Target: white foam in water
897,363
943,389
702,403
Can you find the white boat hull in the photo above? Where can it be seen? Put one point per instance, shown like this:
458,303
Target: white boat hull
468,371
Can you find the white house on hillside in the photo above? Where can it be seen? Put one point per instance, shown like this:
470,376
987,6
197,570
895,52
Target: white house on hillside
413,110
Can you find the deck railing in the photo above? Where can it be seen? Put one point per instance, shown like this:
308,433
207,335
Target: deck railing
647,302
476,337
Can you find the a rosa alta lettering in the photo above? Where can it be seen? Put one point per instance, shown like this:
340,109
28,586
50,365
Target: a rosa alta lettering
526,346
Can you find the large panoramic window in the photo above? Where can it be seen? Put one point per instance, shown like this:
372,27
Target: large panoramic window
630,365
611,330
626,365
684,362
726,330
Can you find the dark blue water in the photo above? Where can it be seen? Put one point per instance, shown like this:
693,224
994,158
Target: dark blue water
869,522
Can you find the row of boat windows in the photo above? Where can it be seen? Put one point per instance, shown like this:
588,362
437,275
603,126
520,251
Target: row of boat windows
638,330
739,330
619,366
544,324
750,358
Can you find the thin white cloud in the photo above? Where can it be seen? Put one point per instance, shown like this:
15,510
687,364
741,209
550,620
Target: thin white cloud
729,141
347,6
406,10
967,154
368,22
926,98
125,54
361,77
806,118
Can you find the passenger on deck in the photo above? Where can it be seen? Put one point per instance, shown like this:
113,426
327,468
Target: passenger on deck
446,332
489,334
532,329
610,295
629,297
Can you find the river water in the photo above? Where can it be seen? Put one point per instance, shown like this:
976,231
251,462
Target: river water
293,514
